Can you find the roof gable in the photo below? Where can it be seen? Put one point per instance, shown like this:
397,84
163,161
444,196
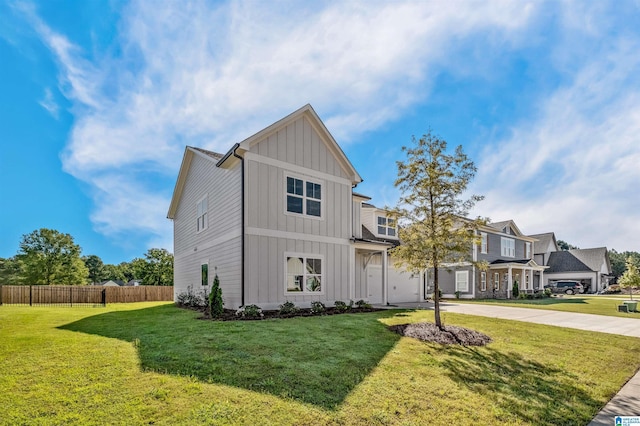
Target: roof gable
308,113
564,261
546,243
189,153
594,258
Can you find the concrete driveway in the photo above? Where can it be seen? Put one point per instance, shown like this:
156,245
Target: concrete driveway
625,403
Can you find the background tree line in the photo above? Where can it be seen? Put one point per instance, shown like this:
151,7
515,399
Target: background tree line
49,257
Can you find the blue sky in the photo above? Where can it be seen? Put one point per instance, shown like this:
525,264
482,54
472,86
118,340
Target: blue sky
98,100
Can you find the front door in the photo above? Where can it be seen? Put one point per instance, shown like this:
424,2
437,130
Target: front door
374,284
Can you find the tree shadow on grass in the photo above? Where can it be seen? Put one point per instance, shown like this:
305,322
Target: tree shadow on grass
524,389
317,360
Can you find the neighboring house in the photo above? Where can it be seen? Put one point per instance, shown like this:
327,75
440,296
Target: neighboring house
509,255
133,283
591,267
276,219
112,283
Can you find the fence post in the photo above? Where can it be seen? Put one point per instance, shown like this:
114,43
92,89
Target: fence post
104,297
30,295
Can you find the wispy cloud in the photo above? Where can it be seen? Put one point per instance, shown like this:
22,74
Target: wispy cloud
49,103
575,167
193,73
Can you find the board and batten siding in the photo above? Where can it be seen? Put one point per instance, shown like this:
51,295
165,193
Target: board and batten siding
295,150
220,244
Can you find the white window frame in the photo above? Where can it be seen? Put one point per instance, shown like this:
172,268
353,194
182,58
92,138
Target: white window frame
527,250
202,214
459,281
496,280
305,274
304,197
507,247
484,243
483,281
527,281
386,227
202,275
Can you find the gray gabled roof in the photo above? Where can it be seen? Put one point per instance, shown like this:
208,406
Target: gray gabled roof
214,155
565,261
369,236
543,242
594,258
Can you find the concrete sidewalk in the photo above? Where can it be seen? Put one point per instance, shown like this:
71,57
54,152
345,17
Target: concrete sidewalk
625,403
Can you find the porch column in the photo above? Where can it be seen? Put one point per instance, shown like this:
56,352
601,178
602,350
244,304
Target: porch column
509,282
352,275
385,278
542,279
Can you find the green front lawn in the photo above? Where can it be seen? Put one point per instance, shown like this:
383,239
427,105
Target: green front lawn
599,305
153,363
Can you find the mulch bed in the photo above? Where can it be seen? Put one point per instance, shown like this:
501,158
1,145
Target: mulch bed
451,335
230,314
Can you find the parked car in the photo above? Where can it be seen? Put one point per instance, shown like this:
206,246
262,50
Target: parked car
567,287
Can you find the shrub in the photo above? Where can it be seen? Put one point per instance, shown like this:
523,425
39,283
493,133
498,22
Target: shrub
288,308
515,290
318,307
433,295
250,311
363,305
190,299
548,292
216,305
457,294
340,306
521,296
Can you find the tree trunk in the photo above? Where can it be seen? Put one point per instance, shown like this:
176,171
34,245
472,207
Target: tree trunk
436,298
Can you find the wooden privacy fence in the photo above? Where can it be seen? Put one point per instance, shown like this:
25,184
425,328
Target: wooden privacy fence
81,295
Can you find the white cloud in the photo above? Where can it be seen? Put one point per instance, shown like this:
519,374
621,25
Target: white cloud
575,169
49,103
191,73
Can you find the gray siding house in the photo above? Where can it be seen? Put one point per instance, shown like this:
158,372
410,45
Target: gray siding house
510,258
276,219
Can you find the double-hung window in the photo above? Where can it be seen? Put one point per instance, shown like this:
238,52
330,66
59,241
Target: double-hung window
304,274
483,281
462,281
201,213
484,245
527,250
508,247
496,281
304,197
386,226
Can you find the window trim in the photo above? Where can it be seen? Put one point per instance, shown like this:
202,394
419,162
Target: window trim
202,271
466,275
483,281
527,250
507,251
304,197
484,243
496,280
305,256
204,215
386,226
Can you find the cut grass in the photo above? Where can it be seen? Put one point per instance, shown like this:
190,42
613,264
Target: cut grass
144,363
598,305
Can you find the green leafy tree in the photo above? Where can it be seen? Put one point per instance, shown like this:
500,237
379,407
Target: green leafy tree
113,272
51,257
159,267
95,266
11,271
216,305
619,261
631,277
431,211
565,246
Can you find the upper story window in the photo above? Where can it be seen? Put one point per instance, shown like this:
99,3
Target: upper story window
304,274
304,197
386,226
527,250
507,247
201,213
484,243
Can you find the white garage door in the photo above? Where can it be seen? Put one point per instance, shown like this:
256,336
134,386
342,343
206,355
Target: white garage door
403,287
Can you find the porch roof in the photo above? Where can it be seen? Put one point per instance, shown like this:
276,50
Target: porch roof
516,263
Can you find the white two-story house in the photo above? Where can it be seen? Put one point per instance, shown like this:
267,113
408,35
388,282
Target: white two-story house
277,220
